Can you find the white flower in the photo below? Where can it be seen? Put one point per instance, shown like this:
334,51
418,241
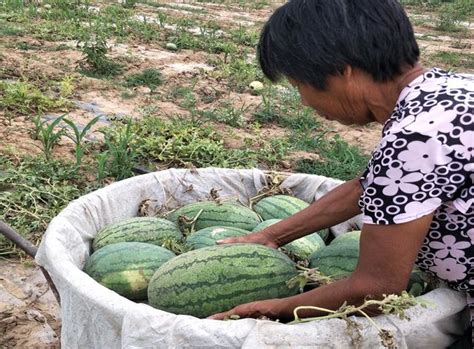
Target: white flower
395,181
423,157
449,246
433,121
467,147
448,269
417,209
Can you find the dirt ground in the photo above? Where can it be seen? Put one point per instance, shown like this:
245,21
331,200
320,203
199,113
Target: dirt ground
29,313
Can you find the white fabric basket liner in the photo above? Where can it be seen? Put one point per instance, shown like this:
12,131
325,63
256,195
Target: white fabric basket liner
96,317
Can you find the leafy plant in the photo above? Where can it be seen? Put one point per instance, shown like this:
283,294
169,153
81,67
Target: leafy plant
102,159
150,77
120,152
24,98
45,133
95,62
78,136
239,72
268,109
227,114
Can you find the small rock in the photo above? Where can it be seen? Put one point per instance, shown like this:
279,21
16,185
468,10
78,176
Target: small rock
285,164
143,90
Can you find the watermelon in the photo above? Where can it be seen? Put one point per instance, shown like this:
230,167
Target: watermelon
301,247
217,278
208,236
138,229
211,213
305,246
338,260
279,206
127,267
351,235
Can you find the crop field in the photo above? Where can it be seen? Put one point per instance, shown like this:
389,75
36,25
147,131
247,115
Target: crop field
92,92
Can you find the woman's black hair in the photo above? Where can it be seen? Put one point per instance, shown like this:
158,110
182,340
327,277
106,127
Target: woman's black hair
309,40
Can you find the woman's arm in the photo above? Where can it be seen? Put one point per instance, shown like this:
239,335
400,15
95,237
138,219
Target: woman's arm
337,206
387,256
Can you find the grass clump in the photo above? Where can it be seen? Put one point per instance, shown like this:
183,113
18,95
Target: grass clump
24,98
150,78
32,192
338,160
454,59
452,15
181,142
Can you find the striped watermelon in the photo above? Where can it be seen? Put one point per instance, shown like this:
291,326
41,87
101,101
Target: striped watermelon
208,236
279,206
138,229
217,278
302,247
340,258
351,235
305,246
211,213
127,267
336,260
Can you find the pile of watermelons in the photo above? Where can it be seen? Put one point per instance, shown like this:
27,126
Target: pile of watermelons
202,278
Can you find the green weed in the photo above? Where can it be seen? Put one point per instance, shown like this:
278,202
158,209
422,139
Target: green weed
227,113
24,98
36,192
339,160
150,78
239,73
452,14
454,59
119,153
10,30
95,62
78,136
268,110
45,132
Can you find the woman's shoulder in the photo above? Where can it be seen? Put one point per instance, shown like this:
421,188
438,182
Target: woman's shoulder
438,84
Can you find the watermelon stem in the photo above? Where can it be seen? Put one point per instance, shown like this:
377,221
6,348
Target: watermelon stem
268,191
193,222
188,223
391,304
308,277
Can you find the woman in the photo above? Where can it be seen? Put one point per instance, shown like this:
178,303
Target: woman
356,61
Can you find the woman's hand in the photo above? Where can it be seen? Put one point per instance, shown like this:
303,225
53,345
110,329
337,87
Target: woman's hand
270,308
260,237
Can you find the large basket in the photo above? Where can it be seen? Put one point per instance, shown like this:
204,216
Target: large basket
96,317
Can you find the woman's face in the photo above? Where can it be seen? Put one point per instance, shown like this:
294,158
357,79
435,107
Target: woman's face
342,100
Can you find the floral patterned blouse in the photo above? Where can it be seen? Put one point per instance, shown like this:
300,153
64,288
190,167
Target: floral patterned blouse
425,163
